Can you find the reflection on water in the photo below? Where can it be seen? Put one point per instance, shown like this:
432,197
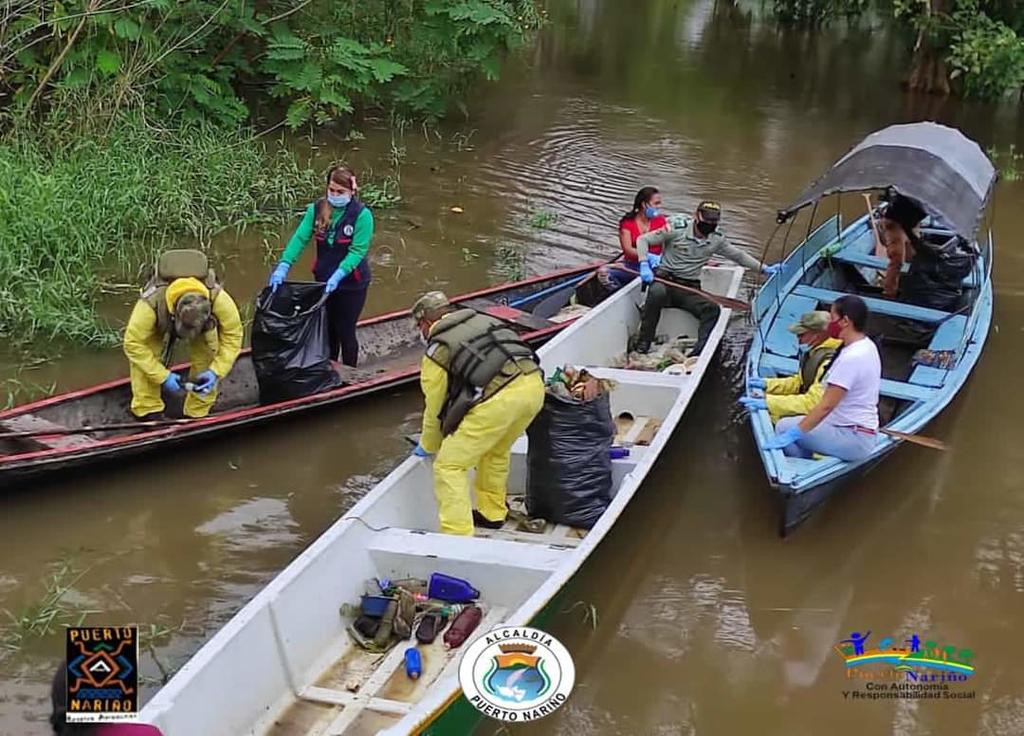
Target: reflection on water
707,622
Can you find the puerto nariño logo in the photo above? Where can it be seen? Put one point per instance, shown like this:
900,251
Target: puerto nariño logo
906,668
102,673
516,673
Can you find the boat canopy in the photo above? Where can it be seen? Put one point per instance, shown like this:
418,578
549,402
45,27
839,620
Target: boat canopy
939,167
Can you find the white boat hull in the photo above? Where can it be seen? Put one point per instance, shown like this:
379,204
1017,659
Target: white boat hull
285,663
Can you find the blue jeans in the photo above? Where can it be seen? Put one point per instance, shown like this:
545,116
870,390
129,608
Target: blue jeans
844,443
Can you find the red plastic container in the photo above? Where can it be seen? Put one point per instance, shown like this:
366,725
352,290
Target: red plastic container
464,625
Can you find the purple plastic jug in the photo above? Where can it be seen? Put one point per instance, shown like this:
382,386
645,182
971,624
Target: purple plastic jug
451,589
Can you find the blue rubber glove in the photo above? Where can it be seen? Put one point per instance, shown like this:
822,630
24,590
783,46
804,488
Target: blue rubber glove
173,382
278,275
420,452
646,274
752,403
653,260
785,439
205,382
756,382
770,269
334,280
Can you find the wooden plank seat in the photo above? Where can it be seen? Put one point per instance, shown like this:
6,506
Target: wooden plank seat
799,466
33,423
893,389
856,258
947,337
876,305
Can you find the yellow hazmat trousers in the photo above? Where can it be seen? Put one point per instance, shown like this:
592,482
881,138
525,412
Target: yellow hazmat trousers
482,441
783,397
215,349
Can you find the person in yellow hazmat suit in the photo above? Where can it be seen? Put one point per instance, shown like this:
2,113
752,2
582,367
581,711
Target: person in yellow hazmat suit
482,387
797,394
182,302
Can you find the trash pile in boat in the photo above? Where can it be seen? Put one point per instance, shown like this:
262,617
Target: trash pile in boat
391,611
571,312
569,459
665,356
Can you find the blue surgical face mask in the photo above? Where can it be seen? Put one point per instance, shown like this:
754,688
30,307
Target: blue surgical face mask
803,349
651,212
339,200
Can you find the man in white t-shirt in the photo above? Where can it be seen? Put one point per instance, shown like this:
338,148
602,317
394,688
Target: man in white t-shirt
844,423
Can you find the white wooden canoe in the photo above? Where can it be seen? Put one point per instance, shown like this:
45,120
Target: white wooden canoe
285,664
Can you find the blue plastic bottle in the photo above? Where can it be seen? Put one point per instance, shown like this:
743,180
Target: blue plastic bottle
451,589
617,453
413,663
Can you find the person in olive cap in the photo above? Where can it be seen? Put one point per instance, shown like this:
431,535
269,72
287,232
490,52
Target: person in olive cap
482,387
796,395
689,243
193,309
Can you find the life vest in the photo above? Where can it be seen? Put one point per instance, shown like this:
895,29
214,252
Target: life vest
332,246
937,273
481,356
178,264
810,362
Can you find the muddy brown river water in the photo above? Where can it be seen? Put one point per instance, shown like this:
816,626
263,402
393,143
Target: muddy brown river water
707,622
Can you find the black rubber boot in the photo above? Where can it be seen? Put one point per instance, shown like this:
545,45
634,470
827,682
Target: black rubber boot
484,523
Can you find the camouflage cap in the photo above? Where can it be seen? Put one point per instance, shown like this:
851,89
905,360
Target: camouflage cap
709,211
816,321
429,303
192,311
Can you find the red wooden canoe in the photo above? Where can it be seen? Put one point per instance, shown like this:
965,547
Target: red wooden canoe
390,352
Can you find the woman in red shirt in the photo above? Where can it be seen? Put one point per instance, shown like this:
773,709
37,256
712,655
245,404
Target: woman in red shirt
643,218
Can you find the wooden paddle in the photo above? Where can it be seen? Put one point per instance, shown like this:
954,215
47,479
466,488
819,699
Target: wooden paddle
915,439
879,248
722,301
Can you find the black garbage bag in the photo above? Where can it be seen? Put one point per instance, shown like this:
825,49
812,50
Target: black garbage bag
569,471
289,343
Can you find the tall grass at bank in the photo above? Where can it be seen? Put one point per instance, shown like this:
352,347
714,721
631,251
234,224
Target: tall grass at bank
75,212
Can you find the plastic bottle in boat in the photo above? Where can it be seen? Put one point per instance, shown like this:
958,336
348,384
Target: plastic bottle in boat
416,586
452,611
451,589
413,663
463,626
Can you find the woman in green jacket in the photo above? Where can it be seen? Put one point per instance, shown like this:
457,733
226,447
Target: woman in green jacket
343,228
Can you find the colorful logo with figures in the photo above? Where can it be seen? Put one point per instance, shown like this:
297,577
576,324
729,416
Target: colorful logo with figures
102,674
517,674
907,667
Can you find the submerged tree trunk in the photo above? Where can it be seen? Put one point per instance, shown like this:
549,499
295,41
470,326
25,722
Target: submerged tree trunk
928,71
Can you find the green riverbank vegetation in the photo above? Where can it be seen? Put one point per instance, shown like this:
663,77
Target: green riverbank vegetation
79,214
971,48
127,125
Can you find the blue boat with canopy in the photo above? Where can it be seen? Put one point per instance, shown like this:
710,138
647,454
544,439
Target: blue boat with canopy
927,353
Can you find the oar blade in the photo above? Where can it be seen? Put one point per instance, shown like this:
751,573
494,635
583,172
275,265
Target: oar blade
916,439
